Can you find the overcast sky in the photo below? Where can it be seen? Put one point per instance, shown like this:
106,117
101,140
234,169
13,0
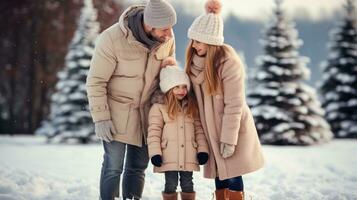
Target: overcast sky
261,9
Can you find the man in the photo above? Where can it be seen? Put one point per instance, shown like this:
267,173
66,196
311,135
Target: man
122,77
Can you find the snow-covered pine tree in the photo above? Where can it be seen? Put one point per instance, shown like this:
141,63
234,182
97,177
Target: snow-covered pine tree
69,116
339,81
285,109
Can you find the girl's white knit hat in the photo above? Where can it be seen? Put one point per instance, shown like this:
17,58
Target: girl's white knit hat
208,27
172,76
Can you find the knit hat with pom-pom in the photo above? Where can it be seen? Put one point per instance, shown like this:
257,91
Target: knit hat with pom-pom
208,27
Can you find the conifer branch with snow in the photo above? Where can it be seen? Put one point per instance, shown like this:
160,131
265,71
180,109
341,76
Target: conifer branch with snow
285,109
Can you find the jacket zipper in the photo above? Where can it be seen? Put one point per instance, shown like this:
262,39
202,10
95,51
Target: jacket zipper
141,106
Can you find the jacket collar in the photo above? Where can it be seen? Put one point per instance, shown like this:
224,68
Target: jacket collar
159,97
123,24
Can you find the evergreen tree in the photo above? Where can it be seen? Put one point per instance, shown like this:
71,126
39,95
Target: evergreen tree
285,109
70,117
4,117
339,80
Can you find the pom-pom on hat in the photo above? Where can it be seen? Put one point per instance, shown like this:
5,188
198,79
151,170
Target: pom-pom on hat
208,27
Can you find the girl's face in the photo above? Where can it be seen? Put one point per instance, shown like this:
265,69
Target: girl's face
180,91
201,48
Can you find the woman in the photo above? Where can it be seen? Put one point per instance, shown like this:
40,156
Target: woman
217,75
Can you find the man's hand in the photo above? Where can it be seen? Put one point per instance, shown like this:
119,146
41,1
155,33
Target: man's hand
105,130
168,61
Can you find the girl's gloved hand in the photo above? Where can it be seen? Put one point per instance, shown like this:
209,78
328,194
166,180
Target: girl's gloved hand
156,160
202,158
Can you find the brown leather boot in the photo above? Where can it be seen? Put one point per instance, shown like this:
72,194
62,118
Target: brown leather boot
221,194
169,196
188,195
235,195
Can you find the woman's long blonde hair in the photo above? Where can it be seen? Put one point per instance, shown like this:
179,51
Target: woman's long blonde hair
173,104
213,59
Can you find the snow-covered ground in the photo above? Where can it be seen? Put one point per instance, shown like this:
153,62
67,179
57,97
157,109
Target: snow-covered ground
30,169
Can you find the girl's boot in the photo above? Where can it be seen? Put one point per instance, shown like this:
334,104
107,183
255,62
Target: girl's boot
188,195
169,196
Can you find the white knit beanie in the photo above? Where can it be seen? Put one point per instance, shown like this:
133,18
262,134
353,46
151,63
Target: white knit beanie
172,76
159,14
208,27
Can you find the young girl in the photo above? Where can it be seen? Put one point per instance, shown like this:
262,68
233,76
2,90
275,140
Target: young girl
176,142
217,75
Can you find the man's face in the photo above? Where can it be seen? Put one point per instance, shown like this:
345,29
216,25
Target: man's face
161,34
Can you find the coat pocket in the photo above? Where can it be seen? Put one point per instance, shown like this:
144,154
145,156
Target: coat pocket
168,153
191,152
120,115
130,68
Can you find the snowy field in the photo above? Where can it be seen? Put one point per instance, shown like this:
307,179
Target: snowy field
30,169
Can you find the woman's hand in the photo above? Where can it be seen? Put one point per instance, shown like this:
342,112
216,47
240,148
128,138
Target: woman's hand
227,150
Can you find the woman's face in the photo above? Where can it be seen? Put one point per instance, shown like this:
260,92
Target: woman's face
201,48
180,91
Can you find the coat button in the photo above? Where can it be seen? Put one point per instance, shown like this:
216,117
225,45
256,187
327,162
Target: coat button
181,166
182,145
181,126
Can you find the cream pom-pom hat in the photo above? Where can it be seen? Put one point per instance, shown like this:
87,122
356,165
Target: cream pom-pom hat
208,27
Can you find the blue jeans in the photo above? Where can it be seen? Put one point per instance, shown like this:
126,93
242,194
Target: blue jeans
136,161
235,183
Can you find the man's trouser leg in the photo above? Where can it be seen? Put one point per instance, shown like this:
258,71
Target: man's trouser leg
136,162
112,167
